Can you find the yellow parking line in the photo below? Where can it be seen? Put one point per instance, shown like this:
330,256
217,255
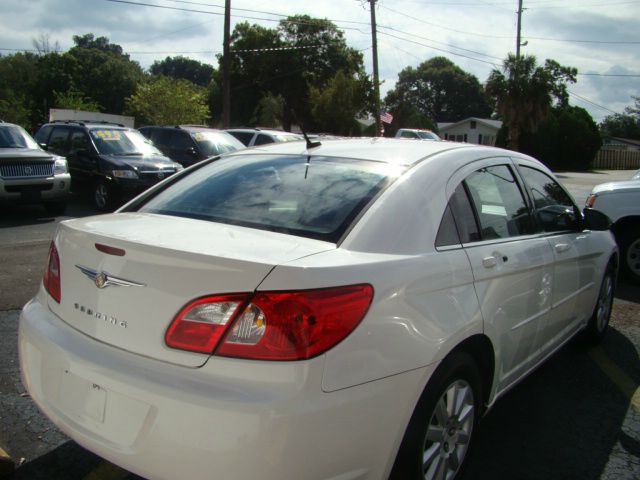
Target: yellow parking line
6,463
107,471
626,385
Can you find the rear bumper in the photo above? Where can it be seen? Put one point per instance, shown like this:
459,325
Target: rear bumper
30,190
229,419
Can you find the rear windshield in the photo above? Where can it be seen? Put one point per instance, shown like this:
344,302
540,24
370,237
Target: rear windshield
314,197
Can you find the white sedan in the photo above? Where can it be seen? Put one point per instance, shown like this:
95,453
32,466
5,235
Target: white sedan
341,311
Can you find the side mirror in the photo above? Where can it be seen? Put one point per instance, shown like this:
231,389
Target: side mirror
595,220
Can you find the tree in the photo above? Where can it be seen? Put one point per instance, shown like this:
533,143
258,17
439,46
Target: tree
185,68
74,100
43,44
319,50
103,73
287,62
524,92
164,100
624,125
335,107
437,91
568,139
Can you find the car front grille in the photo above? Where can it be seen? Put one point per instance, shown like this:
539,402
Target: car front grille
26,169
156,175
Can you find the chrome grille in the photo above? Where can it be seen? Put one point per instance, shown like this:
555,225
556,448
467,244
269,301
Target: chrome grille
26,169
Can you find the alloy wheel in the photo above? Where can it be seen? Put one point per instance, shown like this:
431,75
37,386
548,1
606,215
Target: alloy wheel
603,308
633,257
449,432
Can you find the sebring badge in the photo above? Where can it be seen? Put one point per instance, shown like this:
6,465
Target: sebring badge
104,280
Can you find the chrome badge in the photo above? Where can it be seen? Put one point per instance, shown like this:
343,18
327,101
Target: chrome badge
104,280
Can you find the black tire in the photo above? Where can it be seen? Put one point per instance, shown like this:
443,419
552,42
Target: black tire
630,255
599,321
437,433
55,208
104,196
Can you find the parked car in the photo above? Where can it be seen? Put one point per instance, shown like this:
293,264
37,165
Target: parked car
620,201
416,133
189,144
114,161
28,174
342,311
261,136
636,176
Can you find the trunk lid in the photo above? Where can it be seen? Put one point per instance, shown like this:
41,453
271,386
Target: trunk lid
168,261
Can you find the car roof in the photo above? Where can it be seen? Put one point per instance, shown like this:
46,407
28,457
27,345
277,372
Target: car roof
389,150
89,124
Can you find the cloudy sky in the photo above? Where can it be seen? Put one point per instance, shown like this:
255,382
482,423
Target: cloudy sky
600,38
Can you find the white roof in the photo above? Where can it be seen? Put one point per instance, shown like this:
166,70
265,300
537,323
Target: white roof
497,124
391,150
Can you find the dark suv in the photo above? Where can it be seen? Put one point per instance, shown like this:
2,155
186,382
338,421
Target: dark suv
116,162
28,174
189,144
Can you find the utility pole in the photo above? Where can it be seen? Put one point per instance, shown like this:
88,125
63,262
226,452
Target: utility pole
376,81
226,67
519,28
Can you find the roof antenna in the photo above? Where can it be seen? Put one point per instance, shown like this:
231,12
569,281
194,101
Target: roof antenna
310,144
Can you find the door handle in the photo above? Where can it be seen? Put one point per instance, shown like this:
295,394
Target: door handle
489,262
562,247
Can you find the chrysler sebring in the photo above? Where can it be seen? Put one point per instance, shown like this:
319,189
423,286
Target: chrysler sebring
339,311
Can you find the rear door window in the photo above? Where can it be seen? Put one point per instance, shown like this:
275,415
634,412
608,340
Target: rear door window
314,197
499,203
59,141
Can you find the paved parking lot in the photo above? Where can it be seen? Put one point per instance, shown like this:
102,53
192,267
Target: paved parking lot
577,417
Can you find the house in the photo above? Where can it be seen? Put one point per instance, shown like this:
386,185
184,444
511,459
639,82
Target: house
617,143
471,130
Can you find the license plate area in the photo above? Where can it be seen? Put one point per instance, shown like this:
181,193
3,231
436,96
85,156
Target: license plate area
83,398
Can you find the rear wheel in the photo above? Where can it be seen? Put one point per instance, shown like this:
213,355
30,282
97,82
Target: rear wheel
630,255
439,436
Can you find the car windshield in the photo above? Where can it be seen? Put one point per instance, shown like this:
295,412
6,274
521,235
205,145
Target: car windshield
114,141
428,135
216,143
12,136
314,197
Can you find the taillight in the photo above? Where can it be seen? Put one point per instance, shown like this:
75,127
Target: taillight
200,325
51,278
295,325
591,200
272,325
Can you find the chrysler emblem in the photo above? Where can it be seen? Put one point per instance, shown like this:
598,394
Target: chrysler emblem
160,175
104,280
27,170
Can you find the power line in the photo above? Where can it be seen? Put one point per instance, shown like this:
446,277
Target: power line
465,32
591,102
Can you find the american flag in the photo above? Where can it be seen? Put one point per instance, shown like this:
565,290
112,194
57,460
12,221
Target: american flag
386,117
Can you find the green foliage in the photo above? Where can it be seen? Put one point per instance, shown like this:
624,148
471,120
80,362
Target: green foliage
185,68
335,107
316,50
435,91
166,101
269,111
623,125
568,139
74,100
102,73
523,93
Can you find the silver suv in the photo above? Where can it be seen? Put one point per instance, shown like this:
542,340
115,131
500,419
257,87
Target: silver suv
30,175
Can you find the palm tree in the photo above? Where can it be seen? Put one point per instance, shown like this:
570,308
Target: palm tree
524,92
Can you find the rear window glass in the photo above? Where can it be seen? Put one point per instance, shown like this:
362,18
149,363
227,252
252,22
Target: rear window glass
314,197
